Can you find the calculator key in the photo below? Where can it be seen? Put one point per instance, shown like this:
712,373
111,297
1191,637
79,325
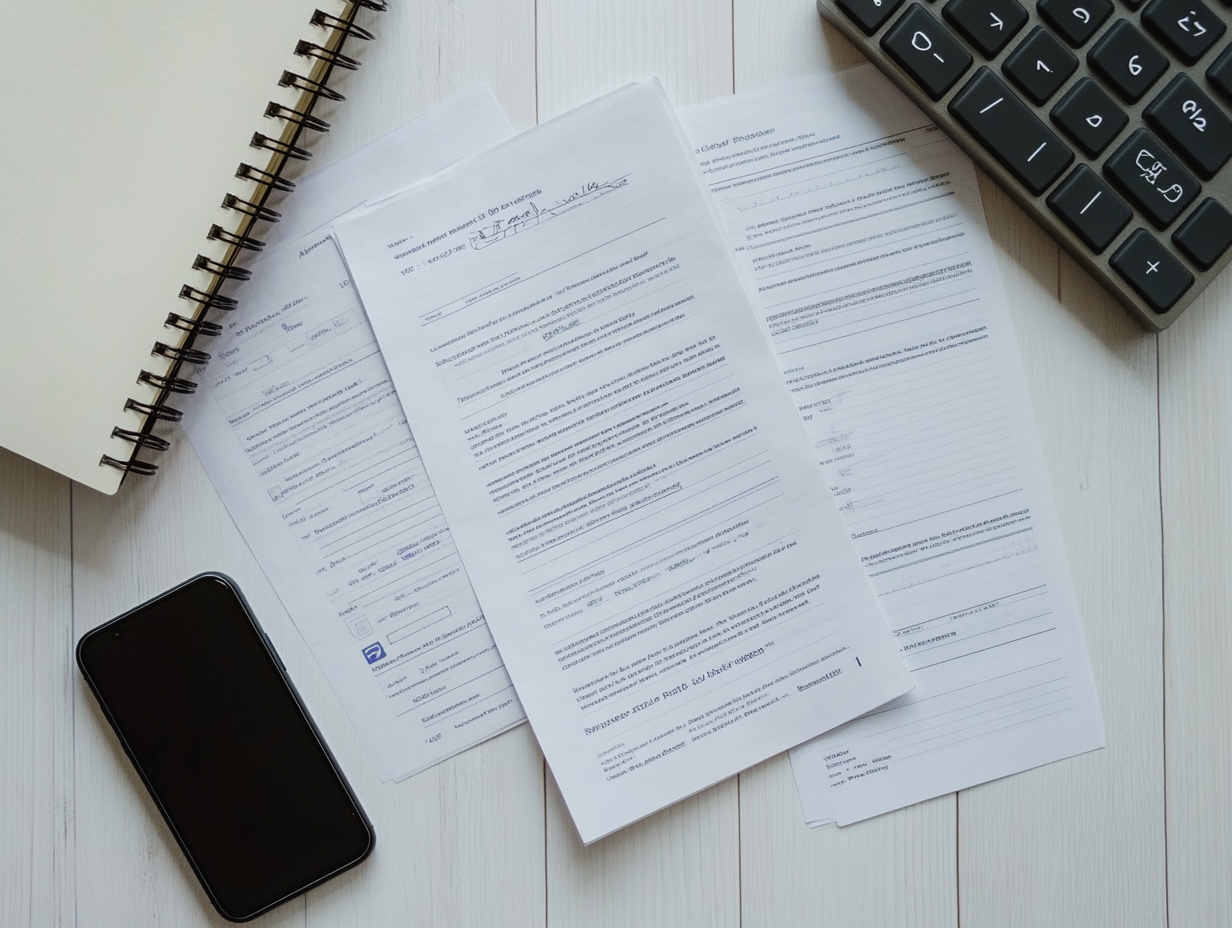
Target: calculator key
1076,20
1040,65
927,51
1193,124
1206,234
1152,178
1220,73
1089,116
1151,269
987,24
869,15
1011,131
1127,60
1094,212
1188,27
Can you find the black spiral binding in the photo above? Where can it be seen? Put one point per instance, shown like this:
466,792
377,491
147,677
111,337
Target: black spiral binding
282,150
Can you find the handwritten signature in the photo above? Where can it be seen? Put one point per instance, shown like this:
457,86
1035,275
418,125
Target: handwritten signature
510,226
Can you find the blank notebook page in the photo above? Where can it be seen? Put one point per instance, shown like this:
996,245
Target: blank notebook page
124,126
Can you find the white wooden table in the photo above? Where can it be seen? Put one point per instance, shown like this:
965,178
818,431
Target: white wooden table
1136,432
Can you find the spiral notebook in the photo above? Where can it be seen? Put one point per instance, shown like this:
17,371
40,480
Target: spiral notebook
142,144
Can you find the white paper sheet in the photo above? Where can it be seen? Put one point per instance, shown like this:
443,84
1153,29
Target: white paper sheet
622,468
861,227
300,430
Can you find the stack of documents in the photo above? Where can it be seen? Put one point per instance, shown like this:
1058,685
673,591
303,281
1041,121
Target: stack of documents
624,342
300,430
860,227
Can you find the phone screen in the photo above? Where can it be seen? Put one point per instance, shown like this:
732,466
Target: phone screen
226,749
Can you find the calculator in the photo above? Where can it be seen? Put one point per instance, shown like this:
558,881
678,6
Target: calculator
1106,120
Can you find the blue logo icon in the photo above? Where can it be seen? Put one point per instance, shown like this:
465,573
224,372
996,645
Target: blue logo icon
374,652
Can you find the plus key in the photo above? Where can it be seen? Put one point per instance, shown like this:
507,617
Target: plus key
1150,269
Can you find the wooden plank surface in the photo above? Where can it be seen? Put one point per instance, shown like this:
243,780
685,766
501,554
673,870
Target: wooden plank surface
1195,409
1135,434
425,53
899,869
587,49
36,708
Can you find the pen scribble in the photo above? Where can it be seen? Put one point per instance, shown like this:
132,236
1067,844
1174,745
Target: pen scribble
533,216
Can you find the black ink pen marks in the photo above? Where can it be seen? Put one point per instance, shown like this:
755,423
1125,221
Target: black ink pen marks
510,226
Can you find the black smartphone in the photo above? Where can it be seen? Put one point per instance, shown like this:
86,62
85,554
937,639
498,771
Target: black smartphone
204,709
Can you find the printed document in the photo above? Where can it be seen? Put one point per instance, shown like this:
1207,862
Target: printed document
861,229
622,468
300,430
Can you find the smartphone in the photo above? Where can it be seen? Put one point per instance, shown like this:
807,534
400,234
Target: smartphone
203,708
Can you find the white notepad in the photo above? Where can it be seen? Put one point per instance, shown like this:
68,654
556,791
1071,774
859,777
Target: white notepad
125,124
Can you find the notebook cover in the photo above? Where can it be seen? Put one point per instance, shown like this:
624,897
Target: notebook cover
124,126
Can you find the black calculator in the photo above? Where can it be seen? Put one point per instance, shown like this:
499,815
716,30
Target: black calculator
1106,120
